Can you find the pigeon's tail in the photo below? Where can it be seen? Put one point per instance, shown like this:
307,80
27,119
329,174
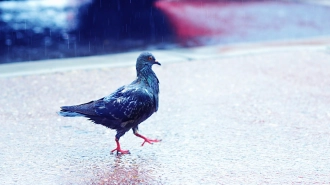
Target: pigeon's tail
69,114
68,111
86,109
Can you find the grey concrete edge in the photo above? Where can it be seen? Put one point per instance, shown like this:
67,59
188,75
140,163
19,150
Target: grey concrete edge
163,56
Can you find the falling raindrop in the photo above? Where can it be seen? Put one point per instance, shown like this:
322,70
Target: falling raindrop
68,42
118,4
75,49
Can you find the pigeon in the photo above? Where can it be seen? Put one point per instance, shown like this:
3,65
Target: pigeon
127,107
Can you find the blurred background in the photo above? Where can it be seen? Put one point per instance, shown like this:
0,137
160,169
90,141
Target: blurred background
45,29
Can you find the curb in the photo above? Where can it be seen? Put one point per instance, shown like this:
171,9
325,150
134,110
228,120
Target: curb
166,56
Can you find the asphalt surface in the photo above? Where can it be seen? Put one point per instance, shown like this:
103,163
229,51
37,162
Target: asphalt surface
244,114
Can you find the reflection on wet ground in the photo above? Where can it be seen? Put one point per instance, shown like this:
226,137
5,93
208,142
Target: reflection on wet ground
252,119
130,169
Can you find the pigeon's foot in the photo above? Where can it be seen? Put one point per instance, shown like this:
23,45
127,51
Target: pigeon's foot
118,149
150,141
147,140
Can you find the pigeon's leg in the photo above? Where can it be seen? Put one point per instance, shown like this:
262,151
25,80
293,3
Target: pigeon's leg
146,140
119,150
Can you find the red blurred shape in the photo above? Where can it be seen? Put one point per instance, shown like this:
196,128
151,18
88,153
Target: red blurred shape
212,22
200,18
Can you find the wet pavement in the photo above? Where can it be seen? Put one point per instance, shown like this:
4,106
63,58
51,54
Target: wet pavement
227,115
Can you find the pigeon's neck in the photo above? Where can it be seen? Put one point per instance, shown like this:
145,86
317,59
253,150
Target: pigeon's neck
146,72
149,78
148,75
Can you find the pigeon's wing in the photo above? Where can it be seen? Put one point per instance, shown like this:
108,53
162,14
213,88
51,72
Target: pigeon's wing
126,106
123,108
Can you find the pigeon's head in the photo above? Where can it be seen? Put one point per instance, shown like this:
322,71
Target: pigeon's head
145,59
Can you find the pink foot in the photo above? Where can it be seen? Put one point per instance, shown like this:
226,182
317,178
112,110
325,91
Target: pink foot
146,140
119,150
150,141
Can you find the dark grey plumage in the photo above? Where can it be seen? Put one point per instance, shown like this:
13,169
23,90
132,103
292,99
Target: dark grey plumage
128,106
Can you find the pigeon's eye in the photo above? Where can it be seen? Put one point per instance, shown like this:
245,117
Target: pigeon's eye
150,58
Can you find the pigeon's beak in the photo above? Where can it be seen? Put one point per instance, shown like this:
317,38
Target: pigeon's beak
156,62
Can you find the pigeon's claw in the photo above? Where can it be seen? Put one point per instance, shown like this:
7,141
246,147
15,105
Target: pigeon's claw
150,141
118,149
146,140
